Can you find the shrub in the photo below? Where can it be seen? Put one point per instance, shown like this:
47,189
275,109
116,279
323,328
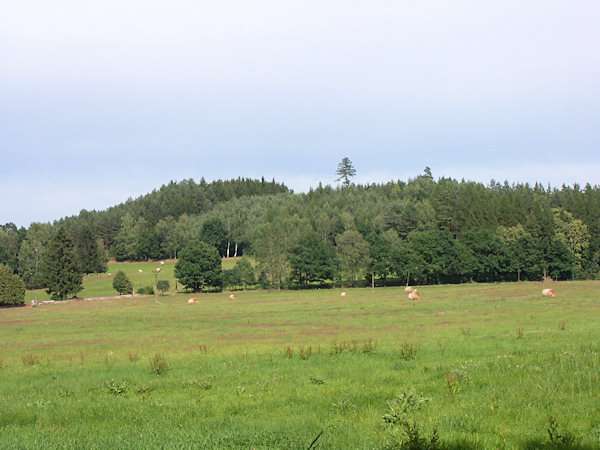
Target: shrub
116,387
408,351
12,288
158,364
146,290
122,284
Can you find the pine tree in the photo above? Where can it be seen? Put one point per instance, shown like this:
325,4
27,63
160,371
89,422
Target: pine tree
61,272
345,171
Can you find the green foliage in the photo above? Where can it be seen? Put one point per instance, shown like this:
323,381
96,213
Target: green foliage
312,260
122,284
402,405
213,233
232,278
433,231
89,250
61,272
146,290
272,247
10,241
408,351
560,261
561,440
345,170
354,255
12,288
221,399
246,272
199,267
31,254
163,286
118,388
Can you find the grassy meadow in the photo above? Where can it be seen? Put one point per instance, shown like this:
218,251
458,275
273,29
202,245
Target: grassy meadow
468,366
100,285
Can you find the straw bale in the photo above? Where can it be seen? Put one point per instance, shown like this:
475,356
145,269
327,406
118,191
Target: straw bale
414,295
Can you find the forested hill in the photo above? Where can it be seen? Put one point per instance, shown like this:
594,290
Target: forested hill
432,231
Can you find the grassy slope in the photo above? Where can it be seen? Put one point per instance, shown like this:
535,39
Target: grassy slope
493,361
100,285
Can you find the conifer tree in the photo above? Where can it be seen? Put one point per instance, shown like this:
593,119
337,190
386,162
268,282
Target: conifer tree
345,171
61,272
122,284
12,288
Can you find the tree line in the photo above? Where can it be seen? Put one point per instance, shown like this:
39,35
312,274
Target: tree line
423,230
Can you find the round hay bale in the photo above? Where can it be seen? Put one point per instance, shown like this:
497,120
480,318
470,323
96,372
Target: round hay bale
408,289
162,263
192,301
549,293
344,294
232,297
414,295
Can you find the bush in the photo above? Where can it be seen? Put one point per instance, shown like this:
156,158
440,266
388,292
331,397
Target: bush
163,286
146,290
12,288
122,284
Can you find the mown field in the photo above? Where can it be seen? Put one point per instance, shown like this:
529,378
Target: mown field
100,285
485,366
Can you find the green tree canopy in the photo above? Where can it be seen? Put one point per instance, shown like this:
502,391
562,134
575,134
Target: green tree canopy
12,288
213,233
345,170
246,271
122,284
199,266
354,255
312,259
163,286
61,272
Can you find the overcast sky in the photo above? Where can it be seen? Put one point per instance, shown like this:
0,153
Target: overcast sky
103,100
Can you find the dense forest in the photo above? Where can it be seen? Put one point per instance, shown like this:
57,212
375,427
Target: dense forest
422,230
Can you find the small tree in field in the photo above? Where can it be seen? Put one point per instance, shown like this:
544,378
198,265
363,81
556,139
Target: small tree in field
12,288
163,286
122,284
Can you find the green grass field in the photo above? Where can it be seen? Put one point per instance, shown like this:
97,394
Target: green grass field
100,285
484,364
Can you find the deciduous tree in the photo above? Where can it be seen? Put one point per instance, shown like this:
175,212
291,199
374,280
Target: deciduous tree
199,266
